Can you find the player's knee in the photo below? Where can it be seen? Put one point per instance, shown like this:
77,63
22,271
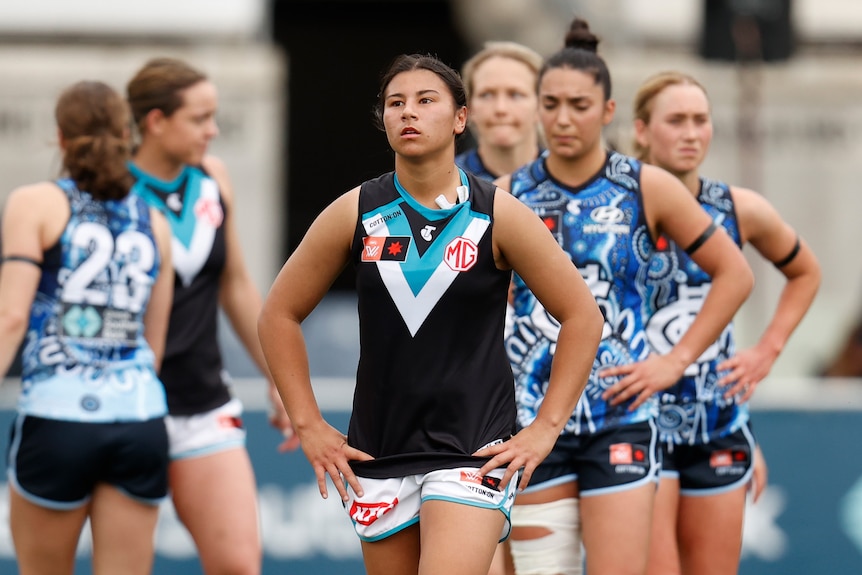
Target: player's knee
546,538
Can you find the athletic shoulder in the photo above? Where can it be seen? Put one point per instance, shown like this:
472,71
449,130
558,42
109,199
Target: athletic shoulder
504,182
216,169
22,200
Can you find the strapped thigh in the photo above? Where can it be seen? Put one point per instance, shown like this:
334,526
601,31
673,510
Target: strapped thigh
559,552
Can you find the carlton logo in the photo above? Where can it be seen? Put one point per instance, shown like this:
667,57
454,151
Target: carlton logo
368,513
461,254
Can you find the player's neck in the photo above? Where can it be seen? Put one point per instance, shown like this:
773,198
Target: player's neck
501,161
426,181
157,164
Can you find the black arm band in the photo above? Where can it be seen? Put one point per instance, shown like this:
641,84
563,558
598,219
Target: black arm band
790,257
701,239
24,259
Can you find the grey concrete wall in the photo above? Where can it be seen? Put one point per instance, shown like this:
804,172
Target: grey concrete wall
251,81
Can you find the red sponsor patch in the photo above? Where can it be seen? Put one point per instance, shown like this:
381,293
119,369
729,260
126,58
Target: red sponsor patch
488,481
368,513
386,248
230,421
662,244
721,458
471,477
621,454
553,221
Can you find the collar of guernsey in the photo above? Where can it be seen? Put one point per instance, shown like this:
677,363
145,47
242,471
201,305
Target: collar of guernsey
464,182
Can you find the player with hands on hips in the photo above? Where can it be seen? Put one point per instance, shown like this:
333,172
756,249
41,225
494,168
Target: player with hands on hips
608,211
710,459
429,467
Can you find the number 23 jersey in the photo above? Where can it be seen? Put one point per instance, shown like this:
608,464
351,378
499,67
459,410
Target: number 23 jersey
85,357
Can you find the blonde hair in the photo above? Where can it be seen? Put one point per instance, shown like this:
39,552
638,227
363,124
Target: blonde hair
646,94
510,50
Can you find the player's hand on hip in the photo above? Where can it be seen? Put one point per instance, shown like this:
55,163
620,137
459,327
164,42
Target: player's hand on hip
329,454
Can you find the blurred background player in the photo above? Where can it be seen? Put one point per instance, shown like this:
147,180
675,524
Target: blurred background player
501,99
212,482
503,119
607,210
708,447
89,264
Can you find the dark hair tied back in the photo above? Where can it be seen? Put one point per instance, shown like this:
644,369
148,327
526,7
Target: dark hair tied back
579,53
579,36
94,122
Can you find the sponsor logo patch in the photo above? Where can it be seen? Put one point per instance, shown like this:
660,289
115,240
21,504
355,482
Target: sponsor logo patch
608,220
230,421
368,513
628,458
728,457
385,248
209,210
484,480
461,254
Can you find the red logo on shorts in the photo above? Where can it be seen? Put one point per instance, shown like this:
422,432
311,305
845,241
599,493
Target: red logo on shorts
488,481
471,477
230,421
621,454
627,454
721,458
368,513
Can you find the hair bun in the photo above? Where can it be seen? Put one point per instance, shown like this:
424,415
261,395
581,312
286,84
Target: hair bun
579,36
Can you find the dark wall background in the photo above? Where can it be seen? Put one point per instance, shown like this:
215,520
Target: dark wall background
336,52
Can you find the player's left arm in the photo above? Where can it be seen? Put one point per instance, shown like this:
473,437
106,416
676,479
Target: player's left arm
763,227
242,302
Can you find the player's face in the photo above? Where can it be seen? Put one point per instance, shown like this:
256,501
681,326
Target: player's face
503,102
680,129
187,132
573,111
420,115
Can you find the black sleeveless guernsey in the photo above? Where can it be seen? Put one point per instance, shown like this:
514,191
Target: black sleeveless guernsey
434,383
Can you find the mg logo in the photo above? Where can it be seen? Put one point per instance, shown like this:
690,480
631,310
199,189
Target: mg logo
461,254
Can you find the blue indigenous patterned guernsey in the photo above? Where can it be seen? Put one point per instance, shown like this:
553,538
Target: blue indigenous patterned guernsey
695,409
85,357
602,227
471,162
